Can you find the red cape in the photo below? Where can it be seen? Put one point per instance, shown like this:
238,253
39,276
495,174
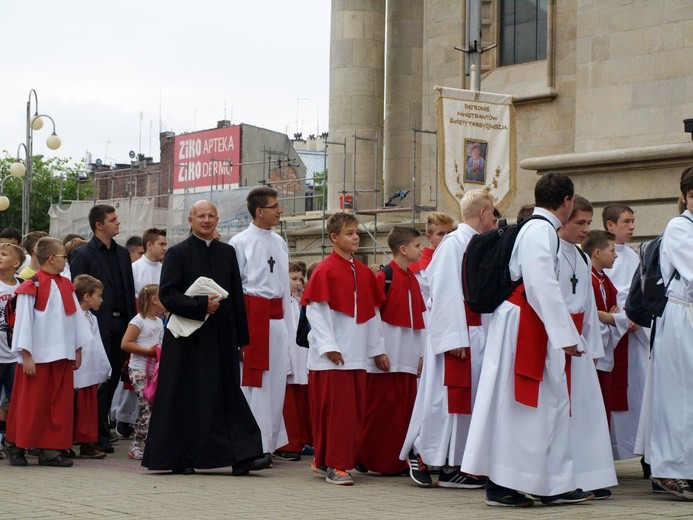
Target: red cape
336,281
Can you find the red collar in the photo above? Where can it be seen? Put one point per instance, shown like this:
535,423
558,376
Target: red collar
41,290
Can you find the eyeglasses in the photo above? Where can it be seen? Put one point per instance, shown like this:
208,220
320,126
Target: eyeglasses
273,206
61,255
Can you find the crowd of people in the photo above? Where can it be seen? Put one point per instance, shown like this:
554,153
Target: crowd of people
381,369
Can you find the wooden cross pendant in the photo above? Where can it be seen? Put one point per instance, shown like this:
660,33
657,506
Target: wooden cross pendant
271,263
574,282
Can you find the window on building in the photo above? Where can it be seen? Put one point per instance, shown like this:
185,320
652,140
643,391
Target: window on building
523,26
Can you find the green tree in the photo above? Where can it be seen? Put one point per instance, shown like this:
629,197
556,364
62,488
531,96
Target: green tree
45,190
320,189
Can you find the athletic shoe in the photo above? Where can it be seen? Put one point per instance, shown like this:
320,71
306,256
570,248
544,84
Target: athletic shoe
601,494
460,480
123,430
571,497
308,450
339,477
286,455
418,471
57,462
136,453
360,468
508,499
113,437
320,470
676,486
656,488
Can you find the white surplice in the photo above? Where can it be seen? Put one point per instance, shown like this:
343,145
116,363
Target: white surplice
437,435
518,446
298,356
624,425
263,260
593,463
667,417
49,335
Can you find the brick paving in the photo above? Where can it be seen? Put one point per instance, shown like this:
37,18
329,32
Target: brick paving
120,488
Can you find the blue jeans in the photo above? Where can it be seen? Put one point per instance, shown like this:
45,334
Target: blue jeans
7,377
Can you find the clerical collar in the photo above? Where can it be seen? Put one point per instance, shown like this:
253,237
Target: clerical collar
204,240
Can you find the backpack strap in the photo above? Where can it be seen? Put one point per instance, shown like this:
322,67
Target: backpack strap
389,272
675,274
583,255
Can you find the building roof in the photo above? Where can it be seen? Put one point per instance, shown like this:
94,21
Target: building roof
314,162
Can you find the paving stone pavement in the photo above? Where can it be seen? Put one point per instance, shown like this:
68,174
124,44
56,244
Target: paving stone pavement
116,487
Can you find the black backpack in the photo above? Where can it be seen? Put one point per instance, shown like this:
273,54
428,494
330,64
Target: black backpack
652,285
486,278
303,327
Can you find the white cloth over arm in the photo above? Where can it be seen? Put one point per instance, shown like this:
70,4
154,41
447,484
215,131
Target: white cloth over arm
203,286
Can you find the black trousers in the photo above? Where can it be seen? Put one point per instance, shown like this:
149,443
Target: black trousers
104,395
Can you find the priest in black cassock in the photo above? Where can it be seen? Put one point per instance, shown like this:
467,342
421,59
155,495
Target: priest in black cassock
200,418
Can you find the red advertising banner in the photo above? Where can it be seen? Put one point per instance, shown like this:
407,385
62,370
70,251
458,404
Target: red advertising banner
202,159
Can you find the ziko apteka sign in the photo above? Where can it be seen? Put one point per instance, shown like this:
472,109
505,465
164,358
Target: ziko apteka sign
203,160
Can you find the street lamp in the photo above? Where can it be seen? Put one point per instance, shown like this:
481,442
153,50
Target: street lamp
33,122
16,173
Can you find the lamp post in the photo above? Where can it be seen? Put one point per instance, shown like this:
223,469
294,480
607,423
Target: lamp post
34,122
15,173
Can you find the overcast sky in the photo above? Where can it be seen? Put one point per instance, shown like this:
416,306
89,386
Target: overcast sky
97,66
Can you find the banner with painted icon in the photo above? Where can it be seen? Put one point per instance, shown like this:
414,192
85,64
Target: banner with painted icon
477,144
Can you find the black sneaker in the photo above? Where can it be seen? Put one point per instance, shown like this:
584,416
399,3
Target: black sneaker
508,499
123,430
286,455
418,471
460,480
571,497
656,488
360,468
601,494
676,486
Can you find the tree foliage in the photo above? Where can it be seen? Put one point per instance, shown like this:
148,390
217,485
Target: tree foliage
48,174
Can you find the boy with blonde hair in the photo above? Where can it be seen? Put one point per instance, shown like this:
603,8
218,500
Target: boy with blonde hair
440,421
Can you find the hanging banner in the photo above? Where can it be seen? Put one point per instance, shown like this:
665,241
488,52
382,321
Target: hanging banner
477,144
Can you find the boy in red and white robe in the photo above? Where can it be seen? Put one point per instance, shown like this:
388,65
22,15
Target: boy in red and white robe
454,352
94,370
48,336
437,226
391,392
342,299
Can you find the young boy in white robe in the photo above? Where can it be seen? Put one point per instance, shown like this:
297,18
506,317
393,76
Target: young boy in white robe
48,337
669,417
520,430
437,226
453,356
593,463
633,350
391,391
94,370
296,402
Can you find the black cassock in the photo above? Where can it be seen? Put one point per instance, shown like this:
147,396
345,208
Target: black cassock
200,417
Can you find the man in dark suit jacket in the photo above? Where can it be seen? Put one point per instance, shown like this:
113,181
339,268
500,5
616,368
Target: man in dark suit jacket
109,262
